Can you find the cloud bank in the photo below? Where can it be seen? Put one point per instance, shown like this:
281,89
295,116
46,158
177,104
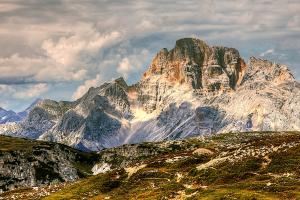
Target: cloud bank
60,48
81,90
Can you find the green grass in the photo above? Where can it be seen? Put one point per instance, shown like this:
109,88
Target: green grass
8,143
245,179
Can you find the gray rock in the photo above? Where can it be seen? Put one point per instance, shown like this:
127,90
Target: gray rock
26,163
192,89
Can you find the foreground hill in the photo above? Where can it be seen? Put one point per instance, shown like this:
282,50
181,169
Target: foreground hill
257,165
30,163
193,89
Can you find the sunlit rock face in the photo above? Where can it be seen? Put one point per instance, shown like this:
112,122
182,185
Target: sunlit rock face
264,70
190,90
194,63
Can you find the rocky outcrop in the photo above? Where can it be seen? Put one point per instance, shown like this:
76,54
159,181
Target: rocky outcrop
26,163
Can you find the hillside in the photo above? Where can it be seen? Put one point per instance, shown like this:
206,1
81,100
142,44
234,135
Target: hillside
257,165
29,163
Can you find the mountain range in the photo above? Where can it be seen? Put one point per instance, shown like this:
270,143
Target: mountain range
7,116
193,89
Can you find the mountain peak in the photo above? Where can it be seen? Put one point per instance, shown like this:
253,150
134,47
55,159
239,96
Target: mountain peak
265,70
185,42
195,63
8,116
25,112
192,89
120,81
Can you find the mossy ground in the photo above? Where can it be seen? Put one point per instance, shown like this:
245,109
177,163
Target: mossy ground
14,144
251,176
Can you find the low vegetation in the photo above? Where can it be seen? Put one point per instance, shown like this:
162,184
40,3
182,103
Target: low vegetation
228,166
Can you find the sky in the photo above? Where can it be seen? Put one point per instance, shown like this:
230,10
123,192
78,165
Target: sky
57,49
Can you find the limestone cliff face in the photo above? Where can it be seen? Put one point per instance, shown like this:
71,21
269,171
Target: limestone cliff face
194,63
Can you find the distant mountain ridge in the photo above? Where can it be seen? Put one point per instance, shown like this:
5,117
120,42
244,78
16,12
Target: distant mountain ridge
8,116
11,116
190,90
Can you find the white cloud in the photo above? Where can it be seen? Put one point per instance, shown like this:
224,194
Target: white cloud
39,69
274,55
132,63
63,42
124,67
6,89
81,90
88,41
68,59
31,91
6,7
23,92
146,25
69,45
57,73
3,104
267,52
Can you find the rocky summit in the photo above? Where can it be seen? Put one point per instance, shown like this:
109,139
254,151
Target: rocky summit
193,89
